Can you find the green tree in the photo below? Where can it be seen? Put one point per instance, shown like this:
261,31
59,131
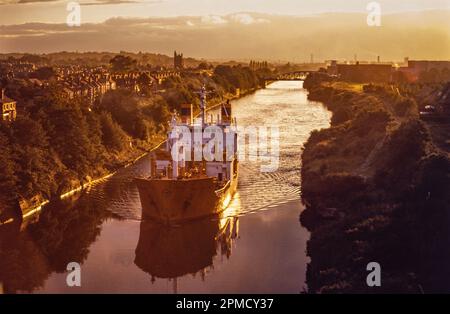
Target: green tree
69,134
8,178
44,73
121,63
35,167
158,111
114,138
144,82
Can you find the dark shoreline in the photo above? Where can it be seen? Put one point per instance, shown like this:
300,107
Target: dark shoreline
375,189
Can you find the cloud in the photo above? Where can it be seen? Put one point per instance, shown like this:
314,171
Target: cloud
82,2
247,19
32,1
213,19
2,2
112,2
108,2
246,36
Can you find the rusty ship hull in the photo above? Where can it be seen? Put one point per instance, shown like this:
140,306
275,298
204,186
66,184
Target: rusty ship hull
172,201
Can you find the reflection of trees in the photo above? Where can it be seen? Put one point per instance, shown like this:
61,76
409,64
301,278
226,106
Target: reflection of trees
22,264
63,234
170,252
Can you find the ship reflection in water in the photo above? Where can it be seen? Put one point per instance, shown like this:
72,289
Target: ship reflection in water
169,252
256,245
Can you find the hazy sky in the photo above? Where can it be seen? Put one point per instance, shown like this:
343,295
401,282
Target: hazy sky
22,11
232,29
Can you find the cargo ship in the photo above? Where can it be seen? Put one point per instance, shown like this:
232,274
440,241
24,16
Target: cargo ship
187,188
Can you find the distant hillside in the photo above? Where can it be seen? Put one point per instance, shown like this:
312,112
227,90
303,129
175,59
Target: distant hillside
99,58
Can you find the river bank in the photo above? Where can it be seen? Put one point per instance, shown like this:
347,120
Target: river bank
374,186
27,208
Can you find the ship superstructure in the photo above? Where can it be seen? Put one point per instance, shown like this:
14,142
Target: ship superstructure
196,172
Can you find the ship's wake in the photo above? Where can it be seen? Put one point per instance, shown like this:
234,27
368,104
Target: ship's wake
256,190
265,190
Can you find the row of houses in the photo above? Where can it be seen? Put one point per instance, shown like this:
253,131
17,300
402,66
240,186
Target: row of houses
17,68
136,79
94,85
90,87
88,83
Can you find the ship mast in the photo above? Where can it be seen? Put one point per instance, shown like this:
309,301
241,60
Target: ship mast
203,104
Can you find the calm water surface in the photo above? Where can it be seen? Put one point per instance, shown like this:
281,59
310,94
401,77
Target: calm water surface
257,246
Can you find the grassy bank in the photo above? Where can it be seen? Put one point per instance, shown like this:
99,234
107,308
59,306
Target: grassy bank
376,188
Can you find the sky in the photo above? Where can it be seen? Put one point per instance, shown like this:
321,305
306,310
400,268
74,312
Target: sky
23,11
237,29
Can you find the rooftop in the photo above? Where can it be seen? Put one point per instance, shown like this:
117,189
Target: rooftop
4,99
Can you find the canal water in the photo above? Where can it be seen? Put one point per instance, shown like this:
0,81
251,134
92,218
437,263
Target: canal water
256,246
